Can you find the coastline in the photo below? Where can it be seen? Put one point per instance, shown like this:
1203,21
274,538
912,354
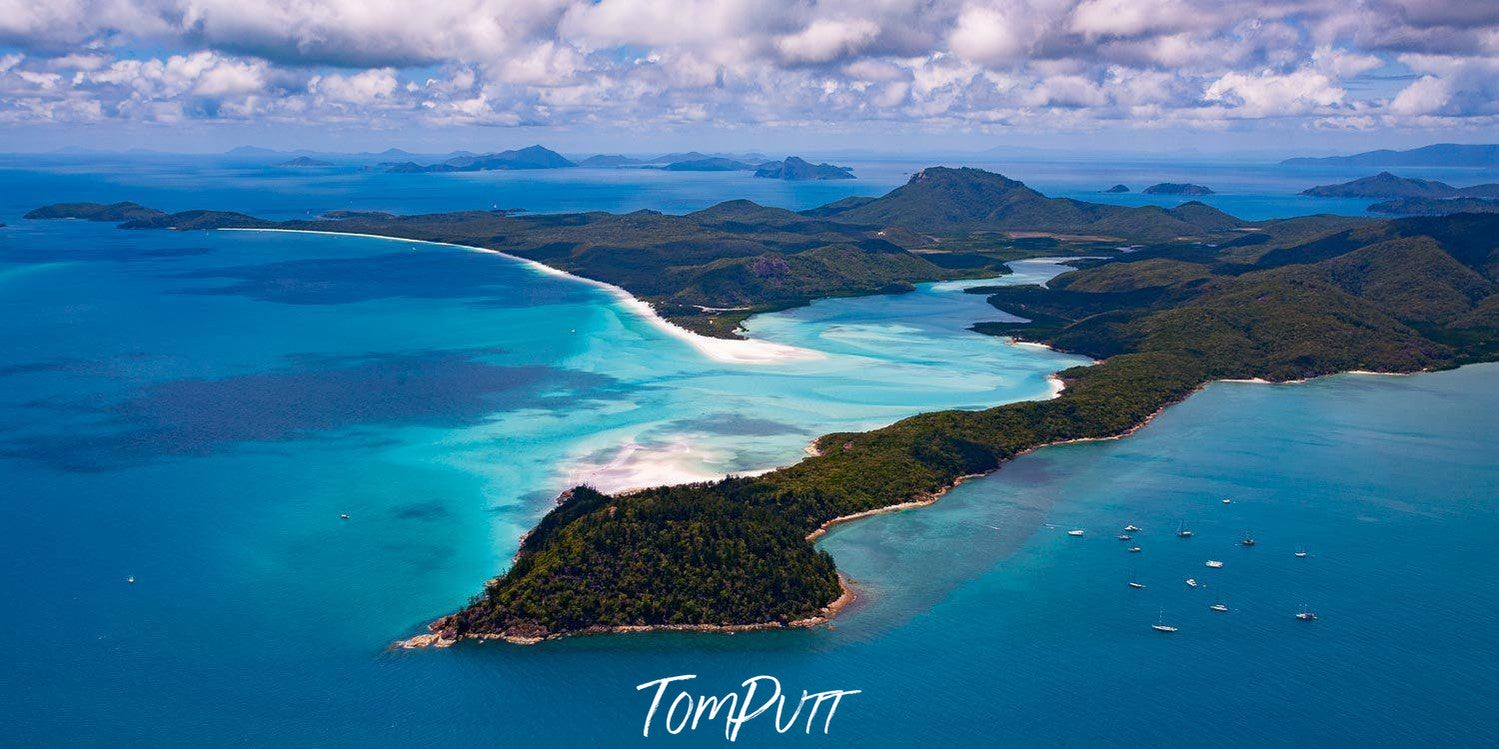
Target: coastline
439,636
923,501
724,350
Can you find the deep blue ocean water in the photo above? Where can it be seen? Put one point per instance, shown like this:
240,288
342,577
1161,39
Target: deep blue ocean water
196,410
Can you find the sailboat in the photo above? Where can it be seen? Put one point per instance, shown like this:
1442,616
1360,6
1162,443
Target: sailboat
130,579
1161,625
1136,585
1300,553
1181,530
1219,606
1134,550
1226,500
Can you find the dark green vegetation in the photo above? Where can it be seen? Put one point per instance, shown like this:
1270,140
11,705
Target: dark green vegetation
968,204
1440,154
1211,297
710,164
1436,206
305,161
795,168
530,157
1118,188
95,212
1386,185
1176,188
189,220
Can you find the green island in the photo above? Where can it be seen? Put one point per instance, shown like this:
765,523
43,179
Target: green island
1201,296
1436,206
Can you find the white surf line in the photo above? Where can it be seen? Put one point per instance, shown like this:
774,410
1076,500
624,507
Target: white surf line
726,350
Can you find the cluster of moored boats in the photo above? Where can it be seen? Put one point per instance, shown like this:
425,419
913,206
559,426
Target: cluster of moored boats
1182,531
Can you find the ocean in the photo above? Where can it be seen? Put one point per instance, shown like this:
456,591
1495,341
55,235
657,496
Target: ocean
196,410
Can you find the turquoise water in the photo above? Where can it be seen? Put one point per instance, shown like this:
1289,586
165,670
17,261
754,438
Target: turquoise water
196,410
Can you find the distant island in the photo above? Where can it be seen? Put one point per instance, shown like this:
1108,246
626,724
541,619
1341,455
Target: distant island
539,157
1176,188
671,158
1436,206
1118,188
305,161
709,164
796,168
95,212
1440,154
530,157
609,161
1386,185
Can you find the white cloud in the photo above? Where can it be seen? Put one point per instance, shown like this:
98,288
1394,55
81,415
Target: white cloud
826,39
367,87
545,64
1427,95
1066,91
230,78
1127,18
1451,86
989,36
1341,63
1270,94
1016,63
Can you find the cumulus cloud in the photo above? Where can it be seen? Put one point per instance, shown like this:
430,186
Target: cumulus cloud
1450,86
991,35
364,88
827,39
1129,18
964,63
1270,94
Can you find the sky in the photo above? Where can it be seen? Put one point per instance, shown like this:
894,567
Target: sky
1162,76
